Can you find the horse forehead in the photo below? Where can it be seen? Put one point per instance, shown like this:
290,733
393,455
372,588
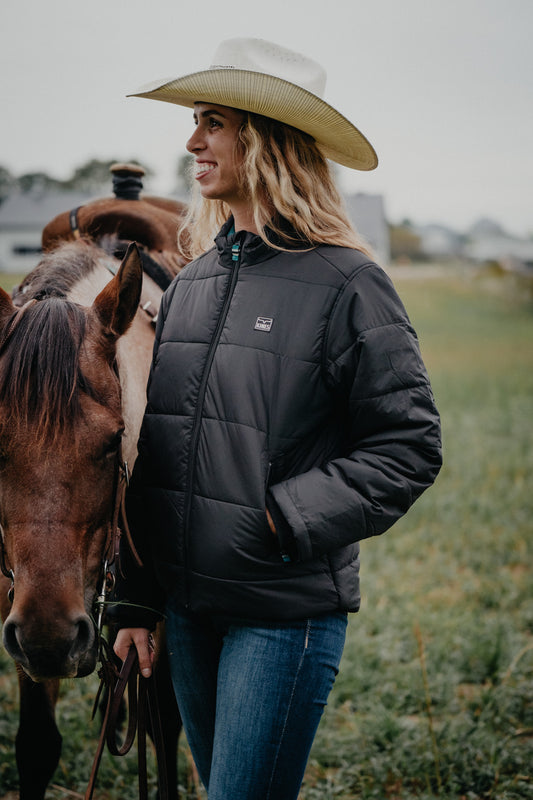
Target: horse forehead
97,422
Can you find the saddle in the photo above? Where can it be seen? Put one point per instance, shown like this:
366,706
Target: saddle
113,222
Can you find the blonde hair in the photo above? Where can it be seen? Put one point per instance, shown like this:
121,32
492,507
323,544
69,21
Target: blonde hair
288,180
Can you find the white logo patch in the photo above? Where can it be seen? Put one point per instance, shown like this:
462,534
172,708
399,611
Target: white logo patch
263,324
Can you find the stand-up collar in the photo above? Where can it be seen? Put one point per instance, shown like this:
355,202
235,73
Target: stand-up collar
253,249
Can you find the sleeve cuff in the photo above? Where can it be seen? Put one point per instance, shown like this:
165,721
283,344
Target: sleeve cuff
125,614
286,540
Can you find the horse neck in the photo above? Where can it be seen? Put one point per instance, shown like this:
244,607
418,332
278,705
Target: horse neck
134,356
134,351
86,289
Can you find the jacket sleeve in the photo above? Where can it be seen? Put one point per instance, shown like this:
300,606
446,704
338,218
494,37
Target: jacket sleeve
392,450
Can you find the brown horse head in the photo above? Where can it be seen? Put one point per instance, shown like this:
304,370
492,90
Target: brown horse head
61,425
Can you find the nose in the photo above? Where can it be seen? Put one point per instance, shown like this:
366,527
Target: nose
195,142
45,653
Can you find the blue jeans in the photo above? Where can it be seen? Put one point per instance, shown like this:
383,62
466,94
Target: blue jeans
251,695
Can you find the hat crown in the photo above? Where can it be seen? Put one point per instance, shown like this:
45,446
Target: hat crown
258,55
270,80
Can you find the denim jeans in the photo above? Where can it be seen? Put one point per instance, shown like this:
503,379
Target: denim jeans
251,695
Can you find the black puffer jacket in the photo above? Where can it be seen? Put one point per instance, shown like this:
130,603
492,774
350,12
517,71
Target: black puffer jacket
288,379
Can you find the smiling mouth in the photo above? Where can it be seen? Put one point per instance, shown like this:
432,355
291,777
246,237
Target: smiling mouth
202,169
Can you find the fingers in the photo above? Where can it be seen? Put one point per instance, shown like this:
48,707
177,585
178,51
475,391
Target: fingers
122,643
142,640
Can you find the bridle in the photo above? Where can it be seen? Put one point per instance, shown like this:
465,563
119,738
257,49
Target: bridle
119,526
110,553
4,568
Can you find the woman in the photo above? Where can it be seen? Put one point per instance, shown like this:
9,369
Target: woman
289,416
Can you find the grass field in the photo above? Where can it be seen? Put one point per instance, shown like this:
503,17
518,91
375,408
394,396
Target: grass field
435,694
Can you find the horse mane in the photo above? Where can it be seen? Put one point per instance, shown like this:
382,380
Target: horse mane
40,375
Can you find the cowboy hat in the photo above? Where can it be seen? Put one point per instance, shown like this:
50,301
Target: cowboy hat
265,78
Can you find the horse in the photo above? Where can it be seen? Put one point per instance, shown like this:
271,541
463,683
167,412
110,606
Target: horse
76,344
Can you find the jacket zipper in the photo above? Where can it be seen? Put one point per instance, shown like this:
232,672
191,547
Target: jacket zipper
193,448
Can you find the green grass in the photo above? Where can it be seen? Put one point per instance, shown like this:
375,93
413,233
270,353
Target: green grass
435,693
8,280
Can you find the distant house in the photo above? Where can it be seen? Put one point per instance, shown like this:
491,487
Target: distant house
488,241
367,214
22,219
438,241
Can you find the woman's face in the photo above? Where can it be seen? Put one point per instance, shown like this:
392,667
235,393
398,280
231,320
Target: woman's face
214,146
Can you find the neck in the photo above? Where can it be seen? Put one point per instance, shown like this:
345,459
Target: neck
243,218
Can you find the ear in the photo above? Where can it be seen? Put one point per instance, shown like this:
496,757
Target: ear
7,309
117,304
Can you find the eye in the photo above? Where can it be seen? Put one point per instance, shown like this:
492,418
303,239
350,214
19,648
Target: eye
111,447
213,122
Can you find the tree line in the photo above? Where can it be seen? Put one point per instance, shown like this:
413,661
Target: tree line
92,177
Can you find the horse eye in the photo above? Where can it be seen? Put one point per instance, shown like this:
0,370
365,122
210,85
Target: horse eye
111,448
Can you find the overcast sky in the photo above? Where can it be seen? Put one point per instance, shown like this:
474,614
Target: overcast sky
442,88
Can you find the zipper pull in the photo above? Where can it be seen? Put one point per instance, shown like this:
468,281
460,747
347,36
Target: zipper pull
235,251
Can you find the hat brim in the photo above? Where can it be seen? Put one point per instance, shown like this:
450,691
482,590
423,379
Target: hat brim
272,97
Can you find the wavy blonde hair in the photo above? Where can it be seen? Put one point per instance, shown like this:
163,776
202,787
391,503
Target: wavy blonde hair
296,204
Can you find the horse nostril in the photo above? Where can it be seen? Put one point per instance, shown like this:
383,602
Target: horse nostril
11,642
84,638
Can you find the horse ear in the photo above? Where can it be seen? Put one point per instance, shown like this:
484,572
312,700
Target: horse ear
6,307
117,303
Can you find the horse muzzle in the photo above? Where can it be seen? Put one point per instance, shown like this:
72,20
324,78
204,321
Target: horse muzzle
67,651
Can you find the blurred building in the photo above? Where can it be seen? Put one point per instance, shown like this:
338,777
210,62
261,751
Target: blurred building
22,219
488,241
367,214
439,241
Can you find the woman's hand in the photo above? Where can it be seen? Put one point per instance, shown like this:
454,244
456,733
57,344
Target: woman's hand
141,638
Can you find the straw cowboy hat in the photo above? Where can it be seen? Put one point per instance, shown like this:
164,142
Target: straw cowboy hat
262,77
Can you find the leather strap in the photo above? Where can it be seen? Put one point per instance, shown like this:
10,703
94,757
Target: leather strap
73,220
142,706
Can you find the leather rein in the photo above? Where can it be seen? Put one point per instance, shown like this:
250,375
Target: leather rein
142,707
141,692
